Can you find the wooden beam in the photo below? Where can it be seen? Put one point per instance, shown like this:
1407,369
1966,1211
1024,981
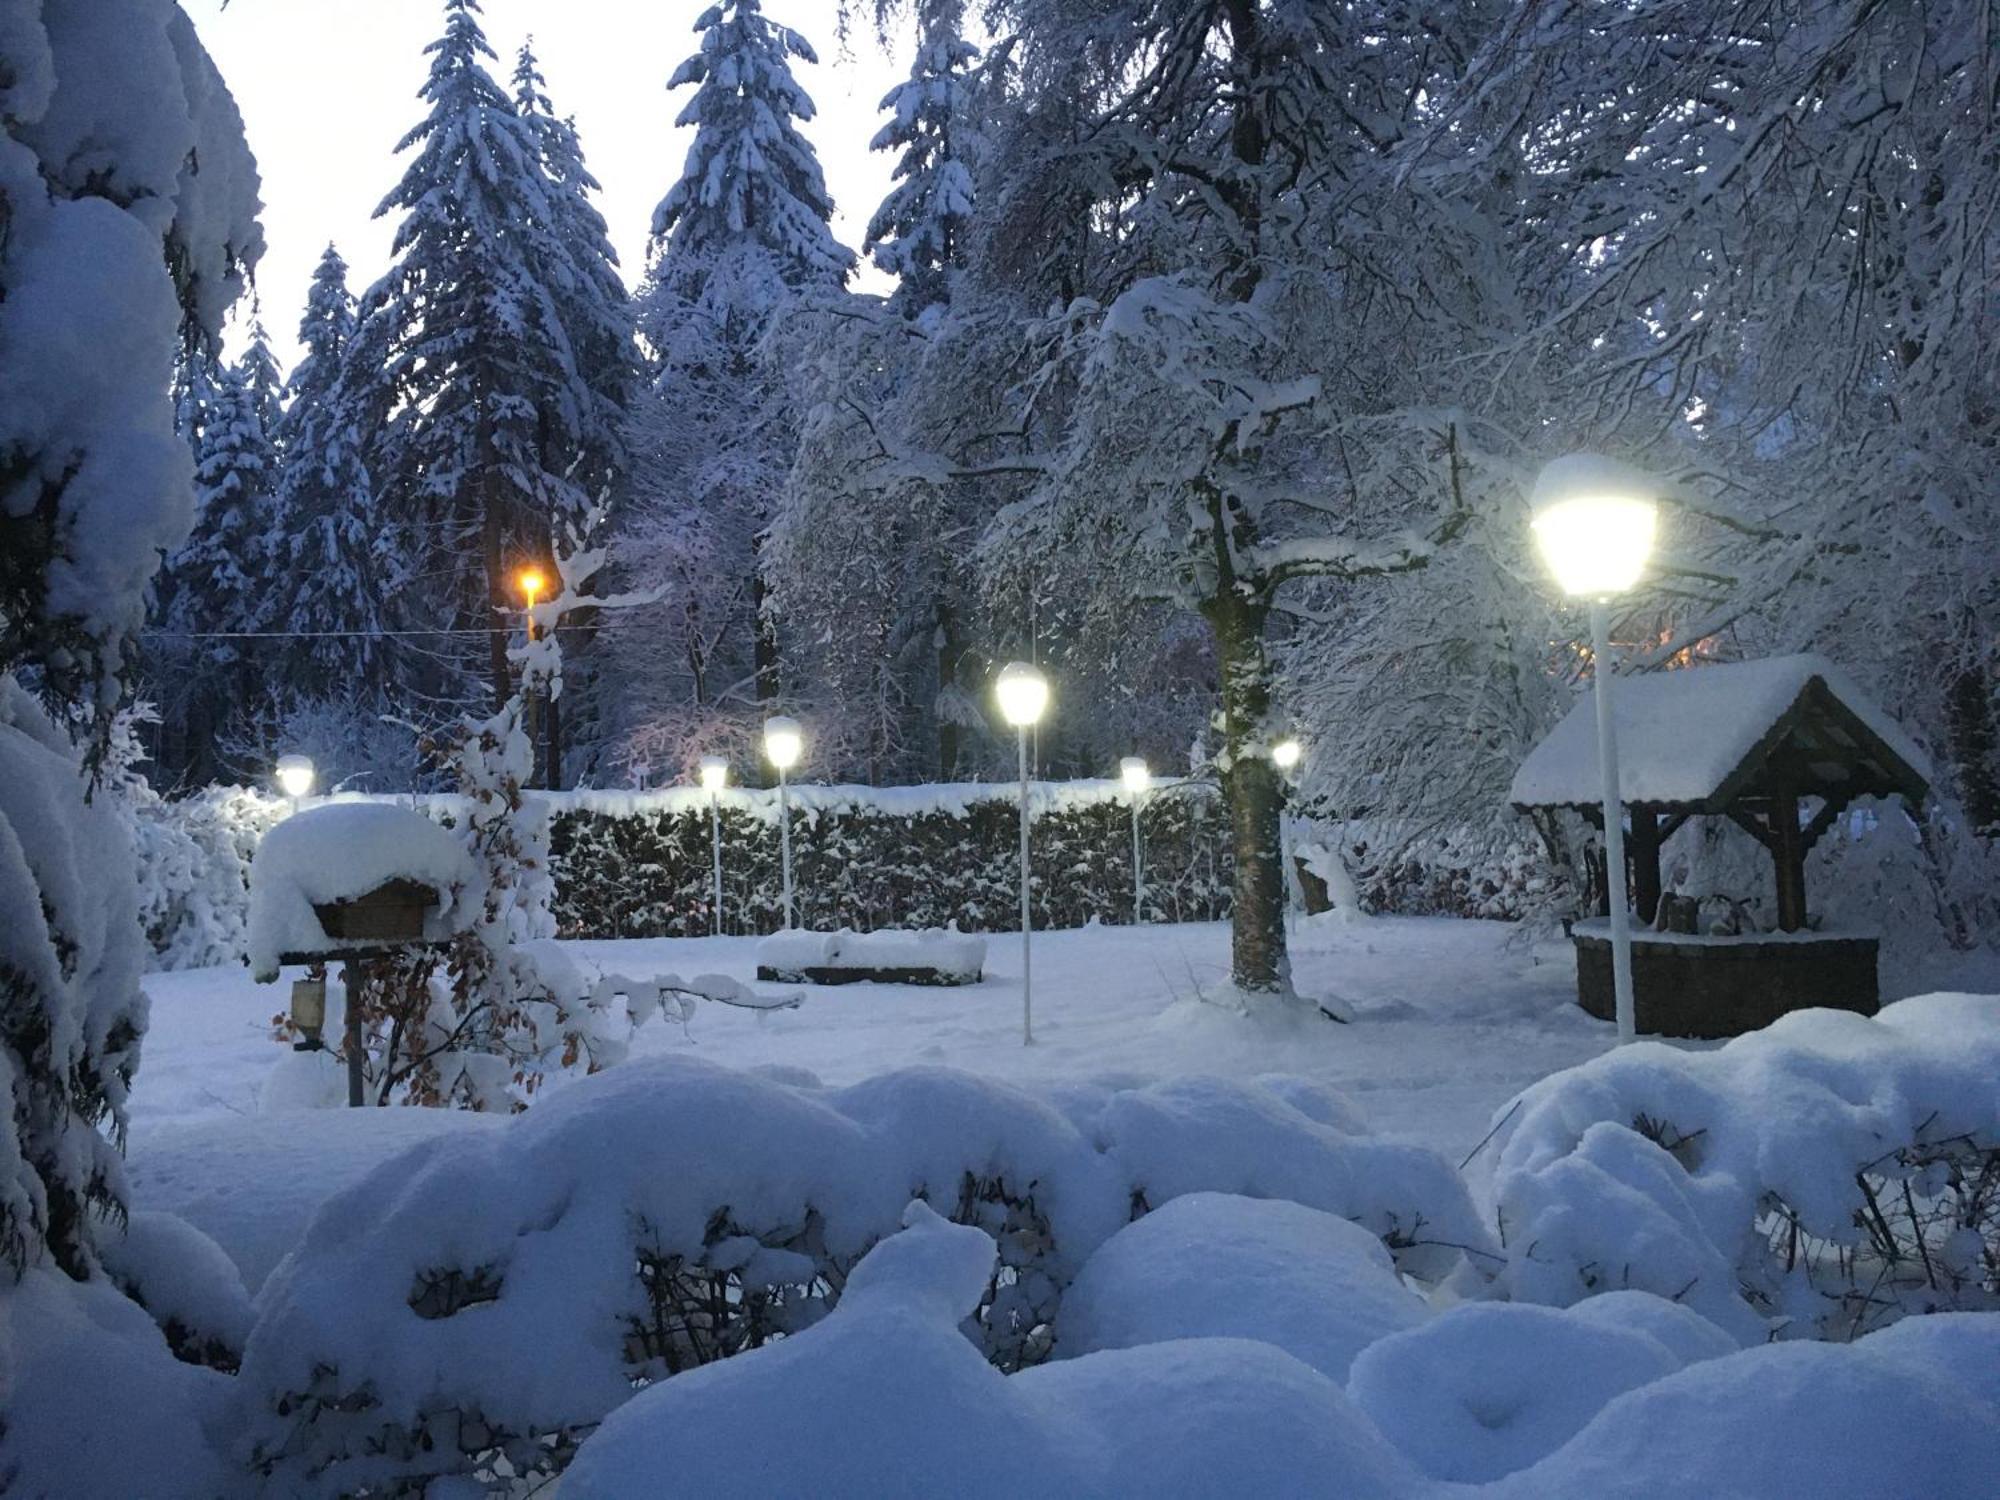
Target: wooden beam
1823,820
1788,854
1645,854
1751,826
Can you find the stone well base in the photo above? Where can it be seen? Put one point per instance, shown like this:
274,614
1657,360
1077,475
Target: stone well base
1718,987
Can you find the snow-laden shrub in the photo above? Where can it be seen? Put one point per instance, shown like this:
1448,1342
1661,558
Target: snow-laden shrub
1490,1387
478,1304
1912,1410
1823,1176
95,1403
886,1397
186,1281
1215,1265
193,854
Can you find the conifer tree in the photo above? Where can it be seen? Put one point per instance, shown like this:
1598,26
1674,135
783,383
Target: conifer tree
476,348
331,565
751,178
591,298
742,235
918,234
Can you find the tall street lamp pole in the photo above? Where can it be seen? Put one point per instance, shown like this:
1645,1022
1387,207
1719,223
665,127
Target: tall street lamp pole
1132,771
784,743
1594,519
1024,693
714,777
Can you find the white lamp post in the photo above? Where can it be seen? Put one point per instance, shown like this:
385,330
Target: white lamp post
784,743
1023,693
714,777
295,777
1285,755
1594,519
1132,771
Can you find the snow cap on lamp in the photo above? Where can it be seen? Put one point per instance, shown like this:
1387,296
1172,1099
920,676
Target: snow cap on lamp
784,742
1023,693
1593,519
714,773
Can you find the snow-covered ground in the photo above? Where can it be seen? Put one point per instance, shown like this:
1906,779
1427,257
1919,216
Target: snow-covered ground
1451,1019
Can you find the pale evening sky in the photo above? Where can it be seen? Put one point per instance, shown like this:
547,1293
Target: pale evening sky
327,88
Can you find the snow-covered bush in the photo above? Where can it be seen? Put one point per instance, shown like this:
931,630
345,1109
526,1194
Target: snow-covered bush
1215,1265
193,855
671,1213
1490,1387
1911,1410
186,1281
887,1398
1823,1176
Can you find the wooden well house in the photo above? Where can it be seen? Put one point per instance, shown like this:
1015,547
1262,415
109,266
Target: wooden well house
1780,747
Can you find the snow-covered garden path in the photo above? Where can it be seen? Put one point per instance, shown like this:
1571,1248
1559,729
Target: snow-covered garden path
1450,1021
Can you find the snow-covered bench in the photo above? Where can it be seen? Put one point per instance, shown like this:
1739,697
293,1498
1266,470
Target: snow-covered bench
935,956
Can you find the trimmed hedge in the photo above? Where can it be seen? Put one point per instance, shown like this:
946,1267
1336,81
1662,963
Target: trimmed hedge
639,865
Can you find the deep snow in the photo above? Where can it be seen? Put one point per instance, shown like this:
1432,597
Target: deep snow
1451,1019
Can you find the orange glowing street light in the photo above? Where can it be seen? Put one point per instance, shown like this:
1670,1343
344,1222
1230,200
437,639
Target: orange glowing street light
531,582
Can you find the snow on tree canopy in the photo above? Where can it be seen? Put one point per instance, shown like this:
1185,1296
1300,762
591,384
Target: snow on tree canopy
340,852
1698,737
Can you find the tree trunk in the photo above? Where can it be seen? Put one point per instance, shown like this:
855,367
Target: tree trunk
552,775
950,651
1250,785
496,606
765,647
1969,718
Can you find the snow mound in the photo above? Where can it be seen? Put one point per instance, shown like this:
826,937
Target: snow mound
1490,1387
95,1403
1815,1172
1912,1410
605,1227
341,851
1185,1135
186,1281
886,1398
1213,1265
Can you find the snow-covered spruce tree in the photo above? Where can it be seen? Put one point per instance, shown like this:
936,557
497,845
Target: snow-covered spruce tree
334,562
918,235
222,579
739,240
129,199
590,297
598,315
495,411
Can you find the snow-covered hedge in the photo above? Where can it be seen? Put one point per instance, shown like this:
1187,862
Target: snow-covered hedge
910,857
638,864
1825,1175
480,1303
